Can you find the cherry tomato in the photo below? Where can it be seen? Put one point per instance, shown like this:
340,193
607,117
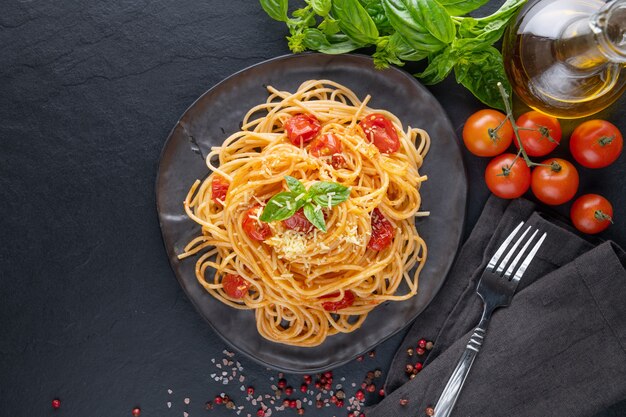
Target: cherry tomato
380,131
382,232
480,135
235,286
338,161
596,144
591,213
298,222
325,145
253,227
346,301
219,188
539,133
302,128
507,179
555,183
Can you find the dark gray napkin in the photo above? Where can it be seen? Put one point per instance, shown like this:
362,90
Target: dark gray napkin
559,350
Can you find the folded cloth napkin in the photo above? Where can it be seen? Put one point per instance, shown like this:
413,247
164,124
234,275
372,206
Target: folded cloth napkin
558,350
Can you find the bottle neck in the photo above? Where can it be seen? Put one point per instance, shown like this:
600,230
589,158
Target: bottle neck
596,40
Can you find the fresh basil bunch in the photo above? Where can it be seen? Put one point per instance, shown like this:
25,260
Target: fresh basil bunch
407,30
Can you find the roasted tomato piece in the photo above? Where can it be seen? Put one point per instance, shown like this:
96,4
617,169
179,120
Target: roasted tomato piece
219,188
235,286
382,232
302,128
346,301
380,131
255,228
325,145
298,222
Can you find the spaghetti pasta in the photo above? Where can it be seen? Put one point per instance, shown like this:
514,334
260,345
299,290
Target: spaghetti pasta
302,283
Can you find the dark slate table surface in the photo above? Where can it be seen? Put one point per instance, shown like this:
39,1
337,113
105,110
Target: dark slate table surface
90,310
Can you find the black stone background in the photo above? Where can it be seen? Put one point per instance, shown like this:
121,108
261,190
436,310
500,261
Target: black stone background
90,310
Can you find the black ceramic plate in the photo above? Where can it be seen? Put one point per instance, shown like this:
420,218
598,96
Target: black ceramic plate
217,114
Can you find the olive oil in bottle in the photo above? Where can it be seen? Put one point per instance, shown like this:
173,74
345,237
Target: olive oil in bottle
567,58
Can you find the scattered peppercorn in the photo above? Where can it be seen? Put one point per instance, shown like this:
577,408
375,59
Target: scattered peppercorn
404,402
319,403
340,394
208,405
360,395
408,368
282,383
218,400
293,404
381,392
230,405
430,411
429,345
370,375
420,351
308,379
378,373
260,412
371,388
300,411
286,403
136,412
250,390
360,358
409,352
418,366
412,376
339,403
304,387
288,391
56,403
278,393
372,354
328,374
421,343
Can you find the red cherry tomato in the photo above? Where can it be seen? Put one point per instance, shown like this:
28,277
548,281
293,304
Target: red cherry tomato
338,161
555,183
480,135
253,227
596,144
325,145
591,213
302,128
219,188
507,179
382,232
380,131
298,222
539,133
235,286
346,301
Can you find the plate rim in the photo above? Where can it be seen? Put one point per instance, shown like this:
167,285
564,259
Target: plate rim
169,252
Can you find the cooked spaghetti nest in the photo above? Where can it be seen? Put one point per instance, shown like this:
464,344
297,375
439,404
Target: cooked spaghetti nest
287,274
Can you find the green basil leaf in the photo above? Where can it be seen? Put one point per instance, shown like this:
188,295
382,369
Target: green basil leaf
316,217
323,192
354,21
412,31
480,71
295,186
329,26
315,40
321,7
490,28
279,207
428,14
439,66
461,7
377,12
403,50
276,9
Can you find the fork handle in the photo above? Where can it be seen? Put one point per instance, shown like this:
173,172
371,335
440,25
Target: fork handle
453,388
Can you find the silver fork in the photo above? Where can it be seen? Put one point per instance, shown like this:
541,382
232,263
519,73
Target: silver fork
496,288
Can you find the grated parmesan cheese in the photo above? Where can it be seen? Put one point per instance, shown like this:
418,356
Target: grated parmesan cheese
289,245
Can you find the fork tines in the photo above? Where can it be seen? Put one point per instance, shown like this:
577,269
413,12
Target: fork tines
503,265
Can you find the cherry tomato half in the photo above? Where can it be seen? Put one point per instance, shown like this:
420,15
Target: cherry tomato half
507,179
235,286
596,144
382,232
219,188
380,131
346,301
253,227
591,213
539,133
325,145
555,182
481,137
298,222
302,128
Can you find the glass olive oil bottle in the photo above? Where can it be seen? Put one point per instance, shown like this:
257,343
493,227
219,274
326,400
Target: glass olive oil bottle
567,58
